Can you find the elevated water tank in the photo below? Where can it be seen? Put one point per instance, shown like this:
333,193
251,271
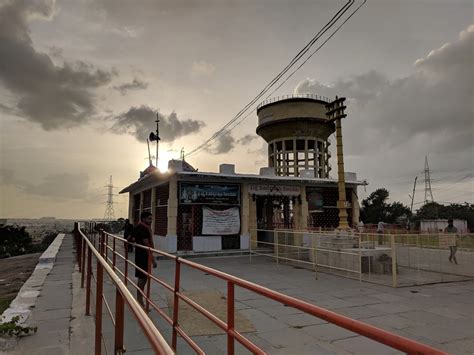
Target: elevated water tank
297,131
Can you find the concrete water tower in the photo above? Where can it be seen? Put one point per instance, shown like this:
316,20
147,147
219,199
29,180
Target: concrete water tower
297,129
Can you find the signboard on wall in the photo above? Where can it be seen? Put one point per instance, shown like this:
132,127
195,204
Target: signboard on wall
224,222
210,194
274,190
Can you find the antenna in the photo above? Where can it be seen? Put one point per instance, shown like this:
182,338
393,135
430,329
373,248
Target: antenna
155,136
109,208
428,192
149,154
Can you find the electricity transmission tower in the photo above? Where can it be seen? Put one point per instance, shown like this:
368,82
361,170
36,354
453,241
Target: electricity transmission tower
428,192
109,207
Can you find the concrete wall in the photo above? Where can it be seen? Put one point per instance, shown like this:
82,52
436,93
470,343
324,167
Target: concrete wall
286,109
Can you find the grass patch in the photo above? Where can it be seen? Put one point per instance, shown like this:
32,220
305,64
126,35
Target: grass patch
4,303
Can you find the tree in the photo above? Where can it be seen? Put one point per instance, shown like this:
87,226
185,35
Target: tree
14,241
435,210
375,208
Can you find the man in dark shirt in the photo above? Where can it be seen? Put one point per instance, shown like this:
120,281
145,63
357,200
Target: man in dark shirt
143,236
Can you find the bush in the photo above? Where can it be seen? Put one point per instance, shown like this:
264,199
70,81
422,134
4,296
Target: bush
14,241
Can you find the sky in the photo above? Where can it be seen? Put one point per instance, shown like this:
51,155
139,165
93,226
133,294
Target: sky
81,82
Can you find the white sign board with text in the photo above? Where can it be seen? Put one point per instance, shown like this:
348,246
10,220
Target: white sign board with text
224,222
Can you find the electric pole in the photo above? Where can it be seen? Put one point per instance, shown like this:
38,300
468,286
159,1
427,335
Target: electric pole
109,214
335,113
428,192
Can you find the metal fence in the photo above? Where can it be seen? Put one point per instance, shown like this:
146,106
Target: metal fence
109,253
389,259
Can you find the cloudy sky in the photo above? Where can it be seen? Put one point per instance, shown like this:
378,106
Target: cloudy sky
81,82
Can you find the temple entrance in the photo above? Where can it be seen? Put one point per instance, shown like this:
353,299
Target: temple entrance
273,212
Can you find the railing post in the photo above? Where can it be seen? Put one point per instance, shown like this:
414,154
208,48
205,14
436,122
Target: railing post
360,259
83,258
177,278
83,245
88,281
119,322
78,244
126,265
250,245
148,284
230,317
113,256
98,308
106,247
275,243
101,242
394,261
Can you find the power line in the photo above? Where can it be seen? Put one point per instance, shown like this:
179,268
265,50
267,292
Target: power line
304,62
224,130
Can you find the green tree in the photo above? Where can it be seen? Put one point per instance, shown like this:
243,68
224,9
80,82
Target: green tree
435,210
376,209
14,240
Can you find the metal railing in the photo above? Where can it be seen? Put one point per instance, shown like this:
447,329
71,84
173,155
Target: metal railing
395,260
293,96
88,249
108,244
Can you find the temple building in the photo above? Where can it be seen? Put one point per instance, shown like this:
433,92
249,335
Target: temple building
209,211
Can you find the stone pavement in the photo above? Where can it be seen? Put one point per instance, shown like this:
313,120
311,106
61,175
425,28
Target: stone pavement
440,315
53,311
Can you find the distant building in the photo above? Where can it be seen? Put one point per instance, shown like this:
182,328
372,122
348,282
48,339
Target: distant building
438,225
205,211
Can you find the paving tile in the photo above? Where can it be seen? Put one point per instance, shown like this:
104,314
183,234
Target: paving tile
299,320
392,321
51,315
388,297
425,317
287,338
362,345
328,332
275,311
360,312
442,332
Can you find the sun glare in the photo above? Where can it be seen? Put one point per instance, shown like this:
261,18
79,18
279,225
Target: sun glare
163,159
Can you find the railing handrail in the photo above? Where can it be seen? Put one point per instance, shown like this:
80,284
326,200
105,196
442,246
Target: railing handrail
293,96
369,331
157,341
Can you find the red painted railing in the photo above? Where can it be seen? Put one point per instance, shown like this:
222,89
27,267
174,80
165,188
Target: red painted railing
108,244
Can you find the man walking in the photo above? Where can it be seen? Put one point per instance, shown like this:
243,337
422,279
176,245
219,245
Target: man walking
452,243
143,236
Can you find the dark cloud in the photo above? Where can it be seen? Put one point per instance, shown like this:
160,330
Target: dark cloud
140,121
128,12
135,85
432,106
224,144
53,96
247,139
393,124
360,89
